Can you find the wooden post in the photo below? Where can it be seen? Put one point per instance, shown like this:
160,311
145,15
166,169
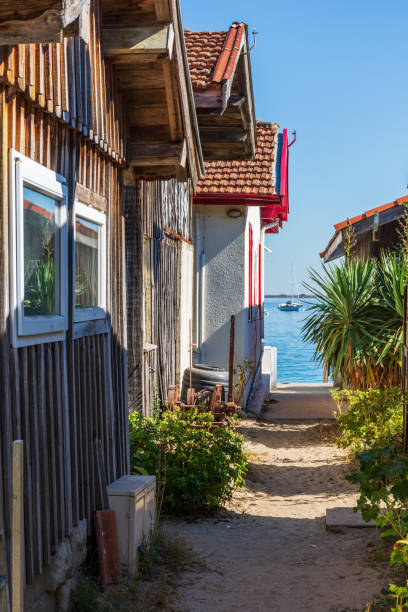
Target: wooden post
191,354
404,381
231,361
17,530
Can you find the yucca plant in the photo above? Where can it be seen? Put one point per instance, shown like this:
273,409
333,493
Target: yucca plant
391,276
39,298
346,322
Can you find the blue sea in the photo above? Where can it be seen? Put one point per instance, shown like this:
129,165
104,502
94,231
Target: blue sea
295,358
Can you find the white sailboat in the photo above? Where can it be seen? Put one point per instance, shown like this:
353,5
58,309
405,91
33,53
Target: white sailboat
291,305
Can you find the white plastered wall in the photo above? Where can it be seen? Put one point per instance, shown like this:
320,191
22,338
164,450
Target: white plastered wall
186,280
222,285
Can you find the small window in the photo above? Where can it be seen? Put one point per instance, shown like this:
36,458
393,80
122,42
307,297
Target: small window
38,213
90,263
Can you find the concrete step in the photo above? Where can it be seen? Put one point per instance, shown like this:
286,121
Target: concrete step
300,402
341,518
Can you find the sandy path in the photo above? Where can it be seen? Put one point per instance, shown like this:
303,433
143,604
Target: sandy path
271,551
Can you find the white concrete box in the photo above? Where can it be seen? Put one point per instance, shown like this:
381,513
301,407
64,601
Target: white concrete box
270,365
133,498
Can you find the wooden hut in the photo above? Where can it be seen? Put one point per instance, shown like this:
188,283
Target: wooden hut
99,91
165,163
368,234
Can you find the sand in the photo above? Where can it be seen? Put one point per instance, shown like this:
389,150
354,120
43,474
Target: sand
270,550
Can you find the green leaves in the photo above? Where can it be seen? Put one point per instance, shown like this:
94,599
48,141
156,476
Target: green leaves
371,418
200,469
355,321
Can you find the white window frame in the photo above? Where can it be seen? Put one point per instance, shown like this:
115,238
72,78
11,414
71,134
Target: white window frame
29,330
99,218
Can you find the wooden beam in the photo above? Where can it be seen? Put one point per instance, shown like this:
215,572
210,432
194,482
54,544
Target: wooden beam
236,101
210,99
152,154
162,10
120,43
223,135
218,152
171,101
42,21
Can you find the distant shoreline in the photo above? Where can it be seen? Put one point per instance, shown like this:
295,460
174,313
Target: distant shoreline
284,295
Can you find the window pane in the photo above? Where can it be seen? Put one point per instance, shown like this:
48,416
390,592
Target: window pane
40,236
86,265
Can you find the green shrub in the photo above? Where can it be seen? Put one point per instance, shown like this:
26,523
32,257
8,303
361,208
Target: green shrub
383,487
372,417
200,470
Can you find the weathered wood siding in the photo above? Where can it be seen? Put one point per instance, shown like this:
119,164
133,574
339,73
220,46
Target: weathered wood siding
58,106
158,218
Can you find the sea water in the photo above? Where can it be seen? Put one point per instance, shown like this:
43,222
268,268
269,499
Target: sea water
295,357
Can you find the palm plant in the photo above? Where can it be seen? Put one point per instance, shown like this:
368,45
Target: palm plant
345,320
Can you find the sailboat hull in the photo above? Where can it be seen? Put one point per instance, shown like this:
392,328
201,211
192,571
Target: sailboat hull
287,308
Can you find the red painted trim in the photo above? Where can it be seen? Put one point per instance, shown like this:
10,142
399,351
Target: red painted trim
237,199
245,199
284,164
250,272
260,281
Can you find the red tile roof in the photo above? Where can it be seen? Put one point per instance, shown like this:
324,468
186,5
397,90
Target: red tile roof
249,177
212,56
370,213
365,215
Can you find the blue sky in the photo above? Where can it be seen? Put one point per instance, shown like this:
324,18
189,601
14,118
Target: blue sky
337,72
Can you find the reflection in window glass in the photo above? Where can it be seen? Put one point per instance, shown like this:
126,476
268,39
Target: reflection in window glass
40,235
86,264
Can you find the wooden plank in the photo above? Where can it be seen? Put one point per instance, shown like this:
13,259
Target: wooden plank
92,198
44,459
91,421
15,392
101,399
40,21
172,102
79,440
110,401
145,116
59,439
51,448
67,404
134,41
223,136
17,570
156,154
28,490
35,460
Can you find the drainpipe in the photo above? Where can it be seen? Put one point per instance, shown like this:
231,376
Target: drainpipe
202,306
200,272
259,364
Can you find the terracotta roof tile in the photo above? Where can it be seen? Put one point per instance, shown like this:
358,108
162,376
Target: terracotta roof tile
212,56
370,213
252,177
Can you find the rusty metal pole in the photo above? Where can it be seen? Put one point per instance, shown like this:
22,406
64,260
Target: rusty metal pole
231,360
191,353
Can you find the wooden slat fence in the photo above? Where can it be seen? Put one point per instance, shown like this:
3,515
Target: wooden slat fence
72,82
59,106
158,216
